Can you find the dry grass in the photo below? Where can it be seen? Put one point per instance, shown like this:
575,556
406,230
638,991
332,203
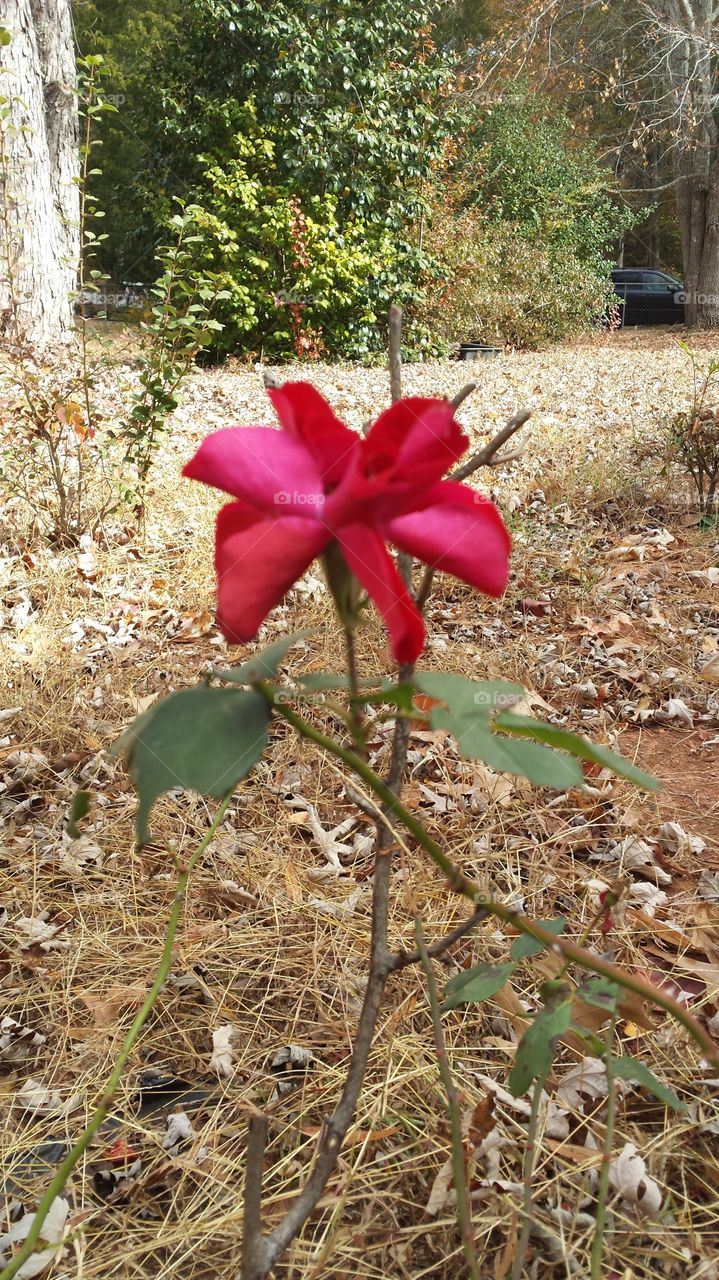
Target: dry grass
259,951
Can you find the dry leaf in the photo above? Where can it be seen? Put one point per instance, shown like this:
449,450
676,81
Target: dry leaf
106,1006
628,1175
51,1231
222,1060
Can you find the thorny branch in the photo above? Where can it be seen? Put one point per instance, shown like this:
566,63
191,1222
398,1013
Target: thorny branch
259,1251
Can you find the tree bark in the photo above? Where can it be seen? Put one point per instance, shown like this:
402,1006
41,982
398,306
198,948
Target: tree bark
38,184
698,213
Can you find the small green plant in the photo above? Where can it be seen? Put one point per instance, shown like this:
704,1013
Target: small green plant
685,444
58,458
180,326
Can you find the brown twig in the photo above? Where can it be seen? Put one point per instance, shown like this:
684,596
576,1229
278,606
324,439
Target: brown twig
463,394
487,457
395,353
404,561
253,1244
459,1172
403,959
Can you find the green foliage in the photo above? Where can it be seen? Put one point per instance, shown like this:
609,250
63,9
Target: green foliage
264,665
628,1068
535,1051
524,947
201,739
527,170
306,134
522,228
474,713
182,323
472,986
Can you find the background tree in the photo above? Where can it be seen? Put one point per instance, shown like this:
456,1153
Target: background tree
39,168
648,70
308,134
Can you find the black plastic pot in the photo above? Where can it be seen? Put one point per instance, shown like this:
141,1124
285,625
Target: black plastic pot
477,351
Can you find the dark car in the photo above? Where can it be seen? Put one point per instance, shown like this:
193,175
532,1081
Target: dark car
649,296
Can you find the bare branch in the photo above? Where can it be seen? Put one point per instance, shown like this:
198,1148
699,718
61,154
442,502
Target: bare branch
486,456
403,959
462,395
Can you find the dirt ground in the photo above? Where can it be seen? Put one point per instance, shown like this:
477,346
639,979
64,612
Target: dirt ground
610,624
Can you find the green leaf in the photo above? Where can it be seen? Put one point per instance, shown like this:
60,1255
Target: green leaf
201,739
5,37
543,767
79,810
469,697
477,984
575,745
628,1068
602,993
264,665
536,1048
525,946
470,705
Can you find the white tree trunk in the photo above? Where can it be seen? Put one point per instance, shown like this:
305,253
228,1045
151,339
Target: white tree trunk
39,181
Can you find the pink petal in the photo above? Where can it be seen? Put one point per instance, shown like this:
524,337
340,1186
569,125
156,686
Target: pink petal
370,561
257,560
459,532
306,416
262,466
416,441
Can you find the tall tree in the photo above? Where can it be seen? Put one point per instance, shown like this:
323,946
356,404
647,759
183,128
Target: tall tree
38,175
655,63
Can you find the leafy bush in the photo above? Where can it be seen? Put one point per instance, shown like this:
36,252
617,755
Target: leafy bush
520,230
298,276
498,287
306,143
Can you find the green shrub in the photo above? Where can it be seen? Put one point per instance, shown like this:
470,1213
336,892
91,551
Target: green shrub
498,287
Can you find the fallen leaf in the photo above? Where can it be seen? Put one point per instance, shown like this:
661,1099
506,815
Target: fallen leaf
628,1175
223,1049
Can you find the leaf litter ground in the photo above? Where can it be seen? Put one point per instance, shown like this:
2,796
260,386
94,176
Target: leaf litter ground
611,624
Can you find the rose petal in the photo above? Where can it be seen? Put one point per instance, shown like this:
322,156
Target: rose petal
262,466
306,416
415,442
257,560
370,561
459,532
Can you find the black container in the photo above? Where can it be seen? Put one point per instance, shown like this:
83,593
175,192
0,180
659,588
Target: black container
477,351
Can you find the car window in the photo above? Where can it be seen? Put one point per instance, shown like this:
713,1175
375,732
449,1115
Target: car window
656,282
626,277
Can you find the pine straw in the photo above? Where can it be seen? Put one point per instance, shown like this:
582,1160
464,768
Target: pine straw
282,971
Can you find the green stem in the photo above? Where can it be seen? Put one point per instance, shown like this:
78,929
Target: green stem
355,719
461,883
100,1113
527,1172
603,1188
464,1210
